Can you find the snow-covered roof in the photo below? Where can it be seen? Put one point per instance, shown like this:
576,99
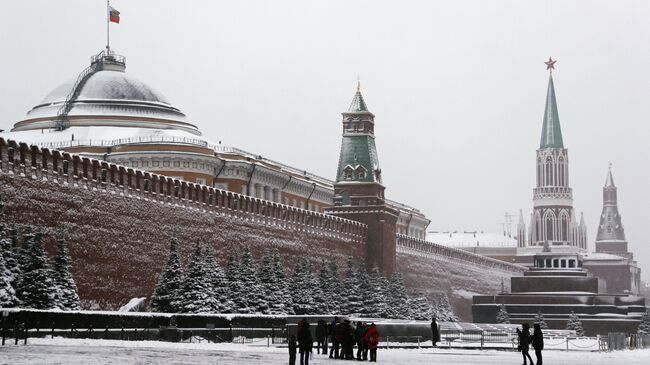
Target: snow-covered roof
598,256
471,239
101,136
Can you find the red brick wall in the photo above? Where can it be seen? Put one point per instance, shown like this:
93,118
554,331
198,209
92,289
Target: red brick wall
118,243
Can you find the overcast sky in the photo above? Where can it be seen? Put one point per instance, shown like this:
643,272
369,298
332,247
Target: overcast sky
457,87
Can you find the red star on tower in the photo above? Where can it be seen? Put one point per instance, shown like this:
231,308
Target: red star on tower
550,64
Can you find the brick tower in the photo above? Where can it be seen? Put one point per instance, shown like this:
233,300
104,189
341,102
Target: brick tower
358,191
611,235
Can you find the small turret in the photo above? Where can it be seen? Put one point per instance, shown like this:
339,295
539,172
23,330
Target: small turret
611,235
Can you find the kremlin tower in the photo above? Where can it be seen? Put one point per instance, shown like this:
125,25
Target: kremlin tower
358,191
553,221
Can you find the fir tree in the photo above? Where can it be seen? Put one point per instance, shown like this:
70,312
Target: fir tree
169,282
256,296
369,296
502,315
7,293
321,301
9,257
268,281
284,295
7,261
397,298
644,326
7,249
67,296
194,294
442,308
36,287
420,307
23,252
218,283
379,291
351,301
575,324
539,318
235,288
333,287
303,301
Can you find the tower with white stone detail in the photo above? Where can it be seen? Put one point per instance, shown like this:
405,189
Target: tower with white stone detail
553,219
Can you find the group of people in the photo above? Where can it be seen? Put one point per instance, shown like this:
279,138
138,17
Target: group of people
525,340
343,336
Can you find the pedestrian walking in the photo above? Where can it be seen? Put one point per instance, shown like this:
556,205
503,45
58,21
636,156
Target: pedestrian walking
321,337
293,346
305,341
538,342
435,333
372,340
524,342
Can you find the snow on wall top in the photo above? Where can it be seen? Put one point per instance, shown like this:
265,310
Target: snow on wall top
471,239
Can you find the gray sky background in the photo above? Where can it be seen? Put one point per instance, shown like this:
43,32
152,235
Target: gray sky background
457,87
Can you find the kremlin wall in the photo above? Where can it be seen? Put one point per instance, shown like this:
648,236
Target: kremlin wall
119,222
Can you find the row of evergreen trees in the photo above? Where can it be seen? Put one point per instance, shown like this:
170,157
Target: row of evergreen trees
27,279
244,286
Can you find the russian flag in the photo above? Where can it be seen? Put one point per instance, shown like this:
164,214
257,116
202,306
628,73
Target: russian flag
113,15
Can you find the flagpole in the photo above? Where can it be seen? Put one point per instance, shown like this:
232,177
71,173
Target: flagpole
108,25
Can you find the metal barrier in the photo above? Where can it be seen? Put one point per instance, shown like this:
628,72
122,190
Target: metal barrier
625,341
245,335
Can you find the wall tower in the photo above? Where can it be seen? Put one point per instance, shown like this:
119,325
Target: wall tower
553,219
611,235
358,190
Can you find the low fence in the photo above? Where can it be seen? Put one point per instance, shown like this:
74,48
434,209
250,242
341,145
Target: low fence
627,341
19,334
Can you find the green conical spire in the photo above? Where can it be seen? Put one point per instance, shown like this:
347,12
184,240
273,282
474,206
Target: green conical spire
551,132
358,104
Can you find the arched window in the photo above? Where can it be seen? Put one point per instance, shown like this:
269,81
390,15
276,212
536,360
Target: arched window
549,171
549,226
538,227
539,172
549,229
361,172
348,173
564,226
561,171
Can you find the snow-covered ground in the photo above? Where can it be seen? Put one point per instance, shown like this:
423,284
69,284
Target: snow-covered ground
73,351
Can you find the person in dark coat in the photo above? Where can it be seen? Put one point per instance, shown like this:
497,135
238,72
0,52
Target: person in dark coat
435,333
524,342
372,340
347,341
335,338
321,337
538,342
292,350
358,338
305,341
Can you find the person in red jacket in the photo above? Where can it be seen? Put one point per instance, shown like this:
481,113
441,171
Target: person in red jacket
372,340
